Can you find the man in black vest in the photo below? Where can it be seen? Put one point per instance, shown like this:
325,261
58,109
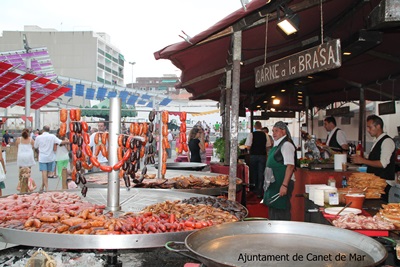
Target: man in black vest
336,138
381,158
256,142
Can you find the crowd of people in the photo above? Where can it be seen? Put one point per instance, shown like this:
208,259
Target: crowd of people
52,152
272,157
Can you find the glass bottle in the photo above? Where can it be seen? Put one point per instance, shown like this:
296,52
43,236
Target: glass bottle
344,182
359,149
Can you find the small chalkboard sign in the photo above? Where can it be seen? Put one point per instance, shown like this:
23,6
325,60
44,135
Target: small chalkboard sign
387,108
346,120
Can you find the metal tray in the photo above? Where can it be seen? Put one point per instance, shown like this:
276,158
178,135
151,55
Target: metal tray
132,200
285,243
210,191
184,166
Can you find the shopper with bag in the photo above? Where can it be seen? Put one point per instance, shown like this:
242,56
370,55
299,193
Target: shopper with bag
3,172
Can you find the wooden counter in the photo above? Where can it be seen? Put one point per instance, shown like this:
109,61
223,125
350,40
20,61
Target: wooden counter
306,176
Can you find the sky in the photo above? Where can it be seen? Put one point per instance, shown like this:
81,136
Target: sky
137,27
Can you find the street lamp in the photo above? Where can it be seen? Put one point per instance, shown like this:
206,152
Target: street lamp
132,63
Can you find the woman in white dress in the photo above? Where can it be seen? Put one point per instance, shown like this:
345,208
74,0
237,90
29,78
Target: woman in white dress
25,157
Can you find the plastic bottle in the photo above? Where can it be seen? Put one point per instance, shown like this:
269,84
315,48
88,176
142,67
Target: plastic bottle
360,149
344,182
332,181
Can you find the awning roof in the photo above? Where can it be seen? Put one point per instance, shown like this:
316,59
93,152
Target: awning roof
377,69
12,88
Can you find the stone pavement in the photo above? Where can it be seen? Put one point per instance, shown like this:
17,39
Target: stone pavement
54,183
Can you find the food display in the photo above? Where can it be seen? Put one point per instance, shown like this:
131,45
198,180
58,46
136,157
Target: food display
79,137
353,221
183,146
372,185
178,182
67,213
165,142
232,207
197,213
391,213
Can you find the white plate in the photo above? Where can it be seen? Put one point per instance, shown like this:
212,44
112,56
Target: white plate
335,210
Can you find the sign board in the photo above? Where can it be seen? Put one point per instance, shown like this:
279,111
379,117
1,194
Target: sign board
324,57
346,120
267,115
387,108
338,111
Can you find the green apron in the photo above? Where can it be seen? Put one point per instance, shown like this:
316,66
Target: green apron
278,170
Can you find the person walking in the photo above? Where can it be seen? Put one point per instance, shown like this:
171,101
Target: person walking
196,144
2,184
25,148
45,144
62,156
7,138
25,151
170,138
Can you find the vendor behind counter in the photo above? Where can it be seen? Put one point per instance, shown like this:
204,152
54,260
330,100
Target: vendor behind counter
381,159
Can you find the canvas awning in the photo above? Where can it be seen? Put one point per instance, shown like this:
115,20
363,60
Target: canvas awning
374,66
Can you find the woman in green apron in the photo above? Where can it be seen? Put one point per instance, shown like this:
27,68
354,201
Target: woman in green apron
279,177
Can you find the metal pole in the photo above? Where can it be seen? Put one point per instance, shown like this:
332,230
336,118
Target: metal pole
28,94
159,145
227,123
113,197
361,129
237,51
132,63
37,119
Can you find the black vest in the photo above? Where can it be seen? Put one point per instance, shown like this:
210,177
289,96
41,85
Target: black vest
385,173
333,142
259,144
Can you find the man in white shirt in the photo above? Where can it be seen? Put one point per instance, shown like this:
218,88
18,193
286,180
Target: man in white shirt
45,144
336,139
381,158
102,160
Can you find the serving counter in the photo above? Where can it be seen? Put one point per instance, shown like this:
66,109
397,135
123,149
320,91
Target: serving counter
305,176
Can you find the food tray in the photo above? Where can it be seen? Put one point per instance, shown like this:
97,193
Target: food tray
334,210
317,166
368,232
184,166
133,200
102,180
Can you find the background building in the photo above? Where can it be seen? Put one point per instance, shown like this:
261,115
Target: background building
85,55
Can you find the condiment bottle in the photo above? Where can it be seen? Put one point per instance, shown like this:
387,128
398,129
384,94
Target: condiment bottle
344,182
398,155
332,181
359,149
